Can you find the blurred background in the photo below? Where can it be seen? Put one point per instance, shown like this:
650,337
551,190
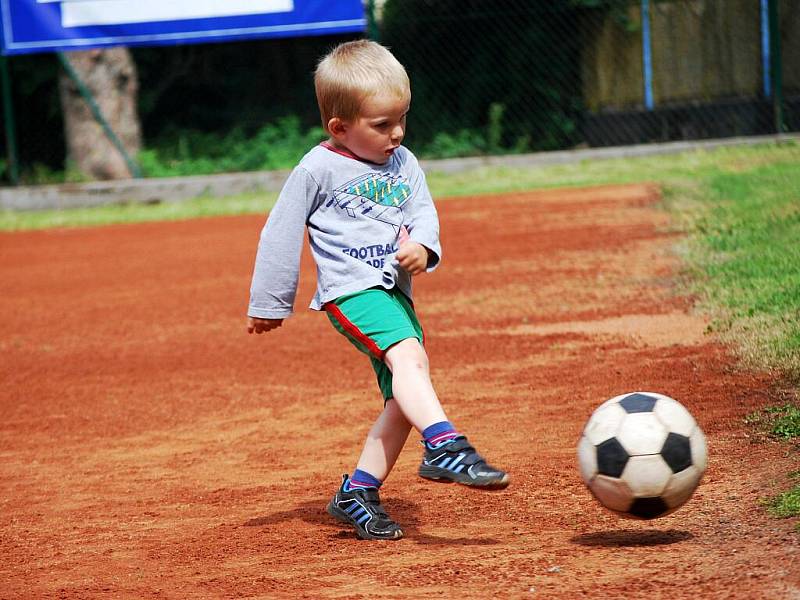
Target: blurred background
488,78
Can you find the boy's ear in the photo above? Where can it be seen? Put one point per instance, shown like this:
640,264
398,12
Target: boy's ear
337,127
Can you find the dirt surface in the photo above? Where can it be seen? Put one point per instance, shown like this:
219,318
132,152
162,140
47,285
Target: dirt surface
150,448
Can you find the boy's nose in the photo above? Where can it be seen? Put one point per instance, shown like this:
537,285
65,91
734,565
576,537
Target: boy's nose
397,133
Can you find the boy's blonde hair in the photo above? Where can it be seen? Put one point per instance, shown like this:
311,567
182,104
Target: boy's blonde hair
353,72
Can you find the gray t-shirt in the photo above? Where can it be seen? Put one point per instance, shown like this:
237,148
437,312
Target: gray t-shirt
353,211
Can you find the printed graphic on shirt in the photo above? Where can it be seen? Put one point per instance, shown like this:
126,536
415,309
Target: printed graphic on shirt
374,196
374,255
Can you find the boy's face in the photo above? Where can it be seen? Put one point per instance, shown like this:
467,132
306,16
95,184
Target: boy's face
377,132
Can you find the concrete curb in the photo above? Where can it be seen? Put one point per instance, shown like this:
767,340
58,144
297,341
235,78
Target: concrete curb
176,189
144,191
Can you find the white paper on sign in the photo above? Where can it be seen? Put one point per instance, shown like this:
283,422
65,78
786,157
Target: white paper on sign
78,13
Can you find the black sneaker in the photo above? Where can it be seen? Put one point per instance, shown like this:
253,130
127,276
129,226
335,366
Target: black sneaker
361,508
458,461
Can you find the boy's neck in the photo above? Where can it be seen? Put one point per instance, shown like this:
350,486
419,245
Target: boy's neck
333,146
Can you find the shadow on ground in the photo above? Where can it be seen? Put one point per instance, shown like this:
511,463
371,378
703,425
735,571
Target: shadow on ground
313,512
632,537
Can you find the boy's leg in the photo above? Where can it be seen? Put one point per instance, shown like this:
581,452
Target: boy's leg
454,458
384,442
358,502
383,324
411,384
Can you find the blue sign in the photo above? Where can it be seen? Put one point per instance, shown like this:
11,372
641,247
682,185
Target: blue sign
55,25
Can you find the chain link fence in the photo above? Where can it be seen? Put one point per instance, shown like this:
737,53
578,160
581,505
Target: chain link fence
506,76
521,75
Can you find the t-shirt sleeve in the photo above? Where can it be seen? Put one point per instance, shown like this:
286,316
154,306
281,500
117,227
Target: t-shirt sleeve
422,220
277,265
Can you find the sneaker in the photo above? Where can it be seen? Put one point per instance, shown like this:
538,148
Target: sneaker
458,461
361,508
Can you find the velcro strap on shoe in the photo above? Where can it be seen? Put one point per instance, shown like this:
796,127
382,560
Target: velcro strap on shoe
373,501
459,445
371,495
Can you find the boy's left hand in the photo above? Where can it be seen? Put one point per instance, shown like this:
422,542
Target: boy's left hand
413,257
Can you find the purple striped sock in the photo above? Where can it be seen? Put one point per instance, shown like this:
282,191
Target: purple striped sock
362,479
439,433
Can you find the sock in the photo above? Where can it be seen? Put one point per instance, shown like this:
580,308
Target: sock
439,434
361,479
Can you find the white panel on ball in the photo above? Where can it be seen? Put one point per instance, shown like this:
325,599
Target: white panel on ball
604,422
681,486
612,493
697,441
587,459
676,418
642,433
647,476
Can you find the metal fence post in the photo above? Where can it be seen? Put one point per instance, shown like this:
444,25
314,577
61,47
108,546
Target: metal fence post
647,56
372,23
776,66
765,49
8,117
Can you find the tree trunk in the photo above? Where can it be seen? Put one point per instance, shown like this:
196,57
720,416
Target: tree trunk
110,76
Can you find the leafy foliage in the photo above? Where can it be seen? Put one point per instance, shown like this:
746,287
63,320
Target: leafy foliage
277,145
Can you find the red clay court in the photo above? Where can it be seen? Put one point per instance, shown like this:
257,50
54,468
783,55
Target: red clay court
150,448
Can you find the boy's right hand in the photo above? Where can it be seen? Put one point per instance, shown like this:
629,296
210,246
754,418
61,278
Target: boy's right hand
259,326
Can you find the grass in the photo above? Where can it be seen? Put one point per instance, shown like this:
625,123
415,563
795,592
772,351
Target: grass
745,257
137,213
781,421
787,504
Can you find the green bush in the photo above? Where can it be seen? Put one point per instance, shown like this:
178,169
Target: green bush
465,142
276,145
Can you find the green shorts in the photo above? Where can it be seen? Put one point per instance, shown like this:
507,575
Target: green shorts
374,320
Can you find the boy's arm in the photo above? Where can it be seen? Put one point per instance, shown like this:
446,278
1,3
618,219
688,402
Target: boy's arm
422,222
277,264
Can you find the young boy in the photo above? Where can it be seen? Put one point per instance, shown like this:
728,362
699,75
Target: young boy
372,225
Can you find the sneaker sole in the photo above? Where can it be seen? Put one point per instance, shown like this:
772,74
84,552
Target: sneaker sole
362,534
443,476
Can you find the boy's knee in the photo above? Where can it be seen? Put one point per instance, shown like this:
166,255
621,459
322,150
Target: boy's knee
407,352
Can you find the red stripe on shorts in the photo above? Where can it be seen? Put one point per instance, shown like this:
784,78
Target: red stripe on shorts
350,328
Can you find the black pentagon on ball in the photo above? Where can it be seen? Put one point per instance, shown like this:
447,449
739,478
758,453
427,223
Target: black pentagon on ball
611,458
677,452
638,403
648,508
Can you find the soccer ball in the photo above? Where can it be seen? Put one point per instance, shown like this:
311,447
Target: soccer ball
642,454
